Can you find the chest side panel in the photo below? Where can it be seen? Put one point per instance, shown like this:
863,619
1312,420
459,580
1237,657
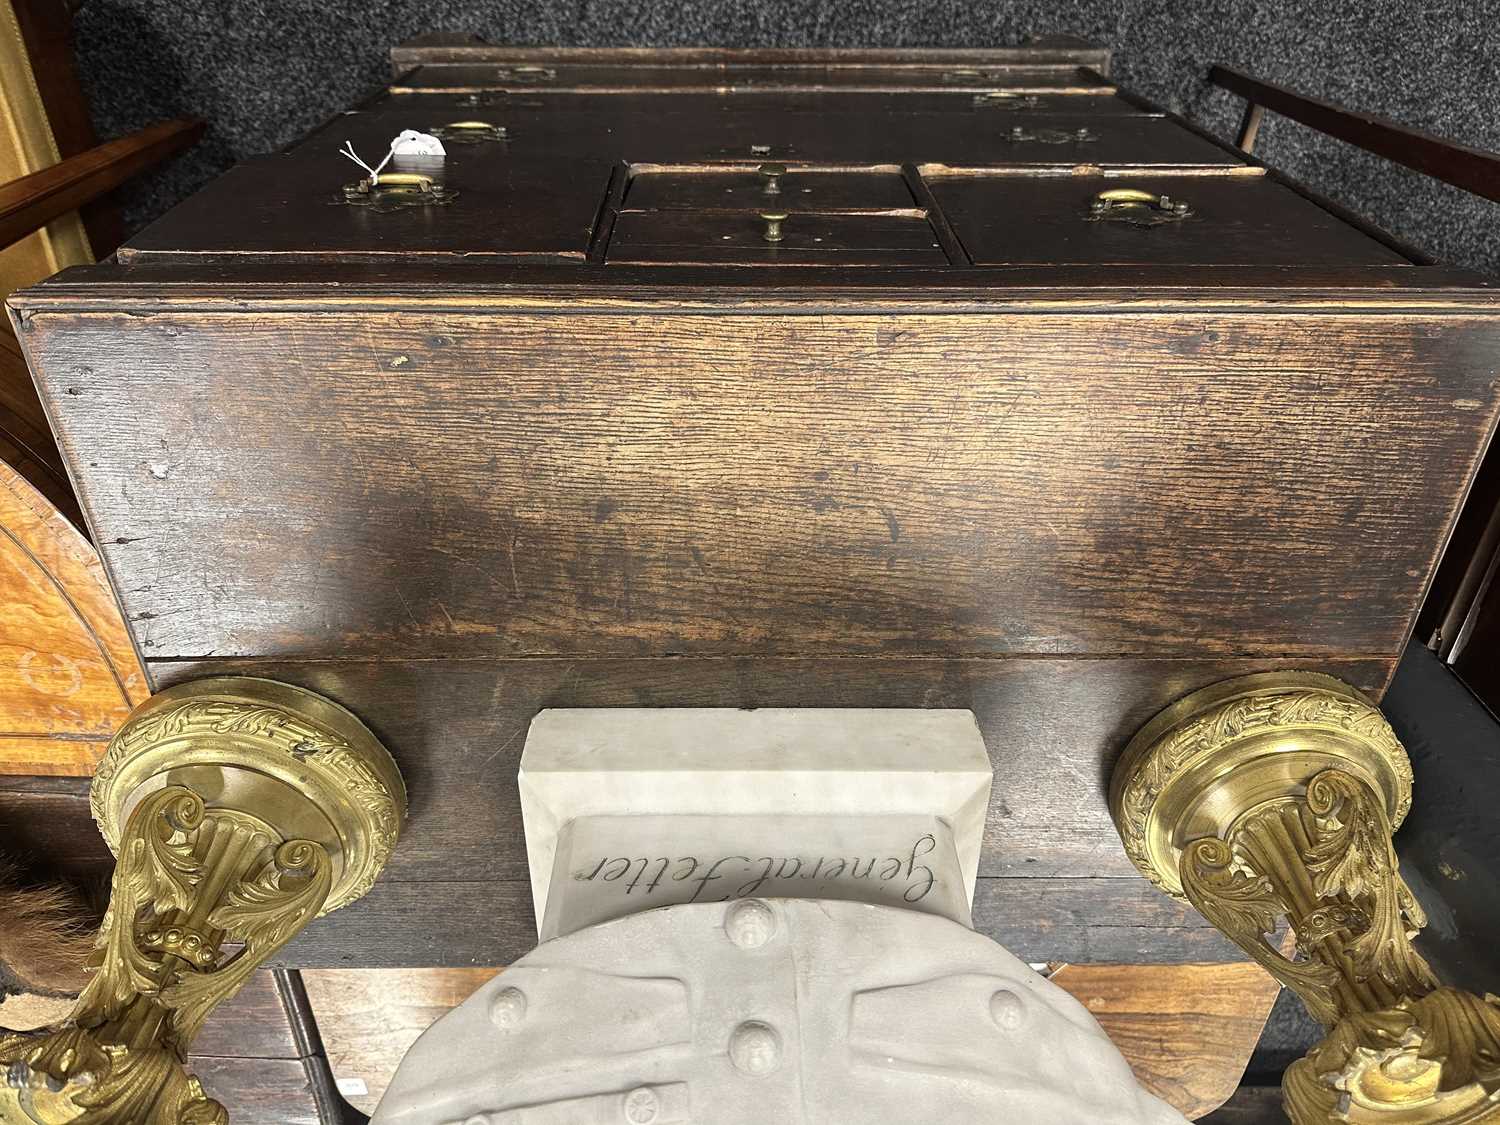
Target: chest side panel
502,483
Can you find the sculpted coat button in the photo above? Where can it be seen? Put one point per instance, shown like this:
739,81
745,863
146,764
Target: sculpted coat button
508,1008
1007,1010
755,1048
641,1106
750,924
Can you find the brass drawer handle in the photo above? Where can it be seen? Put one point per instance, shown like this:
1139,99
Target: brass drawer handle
773,221
771,174
1006,99
395,190
393,180
469,132
1138,207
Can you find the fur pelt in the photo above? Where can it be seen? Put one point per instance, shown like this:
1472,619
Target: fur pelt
46,936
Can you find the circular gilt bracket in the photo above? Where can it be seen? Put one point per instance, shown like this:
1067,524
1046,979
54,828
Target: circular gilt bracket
300,763
1222,752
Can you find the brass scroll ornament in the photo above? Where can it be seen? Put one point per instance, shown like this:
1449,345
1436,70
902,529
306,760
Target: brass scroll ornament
239,810
1136,207
1268,803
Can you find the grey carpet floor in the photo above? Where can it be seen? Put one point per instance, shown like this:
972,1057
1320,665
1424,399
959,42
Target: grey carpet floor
263,72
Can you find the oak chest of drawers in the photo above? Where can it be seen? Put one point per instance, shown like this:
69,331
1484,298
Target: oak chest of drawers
709,378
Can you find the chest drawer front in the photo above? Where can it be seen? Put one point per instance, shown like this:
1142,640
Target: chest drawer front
768,186
1010,219
479,201
806,239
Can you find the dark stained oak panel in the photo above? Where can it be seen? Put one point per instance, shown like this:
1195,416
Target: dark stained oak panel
1055,883
536,194
739,238
1242,220
1053,728
409,483
552,78
484,212
471,923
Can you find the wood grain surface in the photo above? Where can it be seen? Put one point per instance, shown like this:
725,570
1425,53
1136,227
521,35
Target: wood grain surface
1251,1105
1058,883
444,47
369,1018
1187,1030
535,195
1243,220
68,673
607,77
1181,484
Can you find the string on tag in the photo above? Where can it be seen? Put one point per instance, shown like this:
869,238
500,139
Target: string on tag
348,150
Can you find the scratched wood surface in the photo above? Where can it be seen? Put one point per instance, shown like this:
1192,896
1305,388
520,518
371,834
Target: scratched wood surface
248,1058
1180,484
572,77
445,47
68,673
1186,1030
563,153
1251,1105
1247,220
1057,885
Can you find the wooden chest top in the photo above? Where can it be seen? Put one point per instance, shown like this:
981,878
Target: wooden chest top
1041,404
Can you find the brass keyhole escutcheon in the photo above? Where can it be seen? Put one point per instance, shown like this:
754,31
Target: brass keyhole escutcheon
773,221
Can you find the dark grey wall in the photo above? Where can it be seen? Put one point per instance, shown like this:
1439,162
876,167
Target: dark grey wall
262,72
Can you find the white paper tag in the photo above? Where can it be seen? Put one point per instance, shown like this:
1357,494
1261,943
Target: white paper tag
352,1087
409,142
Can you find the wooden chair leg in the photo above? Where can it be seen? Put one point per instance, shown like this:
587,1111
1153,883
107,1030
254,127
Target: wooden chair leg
1249,126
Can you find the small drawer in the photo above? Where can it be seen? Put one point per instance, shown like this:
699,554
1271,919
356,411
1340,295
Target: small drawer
1009,218
806,239
767,185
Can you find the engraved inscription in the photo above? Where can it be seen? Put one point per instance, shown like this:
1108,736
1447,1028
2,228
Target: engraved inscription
719,878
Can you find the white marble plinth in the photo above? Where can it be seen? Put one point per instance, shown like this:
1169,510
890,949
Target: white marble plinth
627,809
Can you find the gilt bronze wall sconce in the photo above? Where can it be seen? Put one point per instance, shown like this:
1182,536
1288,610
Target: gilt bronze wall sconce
1268,802
239,810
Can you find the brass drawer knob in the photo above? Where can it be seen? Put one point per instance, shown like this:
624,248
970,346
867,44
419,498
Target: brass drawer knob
771,175
773,221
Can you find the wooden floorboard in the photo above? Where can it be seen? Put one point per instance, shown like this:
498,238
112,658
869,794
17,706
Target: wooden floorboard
1250,1105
